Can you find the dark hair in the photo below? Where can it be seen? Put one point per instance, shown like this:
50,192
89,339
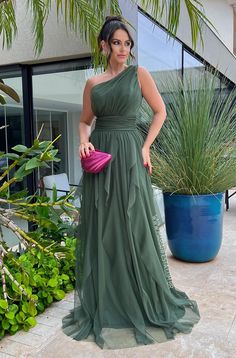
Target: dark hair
111,24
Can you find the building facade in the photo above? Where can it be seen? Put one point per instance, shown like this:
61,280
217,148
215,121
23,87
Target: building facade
51,85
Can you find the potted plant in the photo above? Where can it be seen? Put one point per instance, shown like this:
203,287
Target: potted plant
194,162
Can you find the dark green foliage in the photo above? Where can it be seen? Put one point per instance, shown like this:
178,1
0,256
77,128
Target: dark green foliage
45,279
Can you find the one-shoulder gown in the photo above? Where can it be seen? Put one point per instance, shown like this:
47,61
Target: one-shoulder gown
124,294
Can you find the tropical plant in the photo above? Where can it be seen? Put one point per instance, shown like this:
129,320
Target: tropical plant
44,278
195,152
33,208
86,17
8,91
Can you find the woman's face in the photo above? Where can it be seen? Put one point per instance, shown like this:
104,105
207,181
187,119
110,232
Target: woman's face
120,44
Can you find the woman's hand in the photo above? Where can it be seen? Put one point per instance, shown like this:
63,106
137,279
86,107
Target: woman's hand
85,148
146,159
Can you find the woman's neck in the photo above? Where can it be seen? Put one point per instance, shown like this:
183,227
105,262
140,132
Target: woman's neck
115,69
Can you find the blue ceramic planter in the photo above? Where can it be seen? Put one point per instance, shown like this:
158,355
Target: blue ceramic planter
194,225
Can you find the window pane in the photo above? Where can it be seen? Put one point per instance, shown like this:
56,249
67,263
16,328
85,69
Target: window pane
57,101
192,64
11,116
160,55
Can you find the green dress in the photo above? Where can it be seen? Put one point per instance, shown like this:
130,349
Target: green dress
124,295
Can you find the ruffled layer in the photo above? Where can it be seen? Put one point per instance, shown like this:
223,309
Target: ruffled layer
124,294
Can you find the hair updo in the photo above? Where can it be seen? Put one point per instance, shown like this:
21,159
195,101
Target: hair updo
111,24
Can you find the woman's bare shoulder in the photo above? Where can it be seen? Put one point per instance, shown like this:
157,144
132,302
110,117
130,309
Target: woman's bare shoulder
142,71
144,76
94,80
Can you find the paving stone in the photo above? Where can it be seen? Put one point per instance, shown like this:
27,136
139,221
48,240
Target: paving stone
4,355
28,338
69,297
15,349
56,312
48,320
65,305
44,330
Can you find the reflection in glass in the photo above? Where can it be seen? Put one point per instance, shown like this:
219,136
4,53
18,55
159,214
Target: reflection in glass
52,124
57,99
11,116
161,55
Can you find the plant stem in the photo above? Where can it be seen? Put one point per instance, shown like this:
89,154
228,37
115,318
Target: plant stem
22,236
4,287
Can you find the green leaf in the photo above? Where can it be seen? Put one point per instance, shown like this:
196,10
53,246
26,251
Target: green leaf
18,195
25,307
12,156
32,309
39,255
54,193
55,270
36,143
32,321
20,317
35,298
69,287
9,91
49,299
14,328
13,321
18,277
53,282
25,279
3,304
65,277
40,306
59,294
10,315
21,172
5,324
20,148
32,163
38,279
2,100
13,308
15,287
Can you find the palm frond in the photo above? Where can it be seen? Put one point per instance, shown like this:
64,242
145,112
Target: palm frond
8,28
86,17
172,10
9,91
40,10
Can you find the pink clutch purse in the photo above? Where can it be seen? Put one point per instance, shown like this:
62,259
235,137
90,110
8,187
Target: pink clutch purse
96,162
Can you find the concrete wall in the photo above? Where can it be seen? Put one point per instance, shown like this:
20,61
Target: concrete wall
59,43
214,51
221,14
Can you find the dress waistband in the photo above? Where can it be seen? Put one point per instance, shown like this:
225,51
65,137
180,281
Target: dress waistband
116,123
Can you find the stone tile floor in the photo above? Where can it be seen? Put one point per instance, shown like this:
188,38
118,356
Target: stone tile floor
212,285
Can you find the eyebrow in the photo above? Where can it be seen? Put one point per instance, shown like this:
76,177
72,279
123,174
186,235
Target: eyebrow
119,40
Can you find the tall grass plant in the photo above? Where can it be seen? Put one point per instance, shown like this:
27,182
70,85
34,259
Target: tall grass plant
195,152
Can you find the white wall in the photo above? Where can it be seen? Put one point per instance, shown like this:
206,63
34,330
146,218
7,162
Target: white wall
221,14
58,43
214,51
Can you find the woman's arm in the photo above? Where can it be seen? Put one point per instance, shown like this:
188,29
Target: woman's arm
86,120
155,101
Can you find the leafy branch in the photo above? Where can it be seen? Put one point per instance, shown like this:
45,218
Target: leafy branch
86,17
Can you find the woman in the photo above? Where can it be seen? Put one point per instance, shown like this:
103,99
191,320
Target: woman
124,294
